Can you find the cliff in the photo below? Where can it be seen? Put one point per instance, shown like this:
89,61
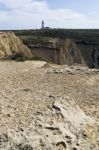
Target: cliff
67,51
11,45
54,50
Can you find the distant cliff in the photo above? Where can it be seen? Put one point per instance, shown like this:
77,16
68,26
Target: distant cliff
55,50
67,51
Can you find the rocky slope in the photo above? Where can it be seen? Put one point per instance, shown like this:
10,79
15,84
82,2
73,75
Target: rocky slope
48,107
11,45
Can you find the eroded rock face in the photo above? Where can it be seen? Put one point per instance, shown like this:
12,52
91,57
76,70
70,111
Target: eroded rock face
58,51
55,50
89,54
11,45
68,51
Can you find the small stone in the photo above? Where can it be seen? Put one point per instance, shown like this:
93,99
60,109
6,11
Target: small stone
25,147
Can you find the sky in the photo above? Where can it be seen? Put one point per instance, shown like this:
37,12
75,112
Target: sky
28,14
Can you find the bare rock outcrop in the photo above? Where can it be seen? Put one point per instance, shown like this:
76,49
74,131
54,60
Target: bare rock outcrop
11,45
63,127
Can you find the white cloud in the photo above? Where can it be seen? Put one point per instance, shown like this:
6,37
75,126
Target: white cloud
29,13
15,3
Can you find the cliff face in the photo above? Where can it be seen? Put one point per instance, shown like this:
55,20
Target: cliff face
11,45
68,51
90,54
55,50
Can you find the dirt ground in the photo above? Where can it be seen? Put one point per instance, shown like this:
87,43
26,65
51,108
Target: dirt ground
30,87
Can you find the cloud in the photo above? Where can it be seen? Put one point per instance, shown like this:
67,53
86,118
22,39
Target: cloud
29,13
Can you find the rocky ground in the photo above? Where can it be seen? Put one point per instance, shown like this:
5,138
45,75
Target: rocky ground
48,107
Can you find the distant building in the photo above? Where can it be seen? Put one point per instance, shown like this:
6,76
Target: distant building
47,28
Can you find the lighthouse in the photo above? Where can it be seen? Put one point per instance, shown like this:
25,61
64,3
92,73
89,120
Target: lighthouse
42,24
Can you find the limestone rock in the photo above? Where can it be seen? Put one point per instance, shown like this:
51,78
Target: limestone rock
11,45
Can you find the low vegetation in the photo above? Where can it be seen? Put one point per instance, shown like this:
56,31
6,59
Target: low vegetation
35,36
88,35
20,57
